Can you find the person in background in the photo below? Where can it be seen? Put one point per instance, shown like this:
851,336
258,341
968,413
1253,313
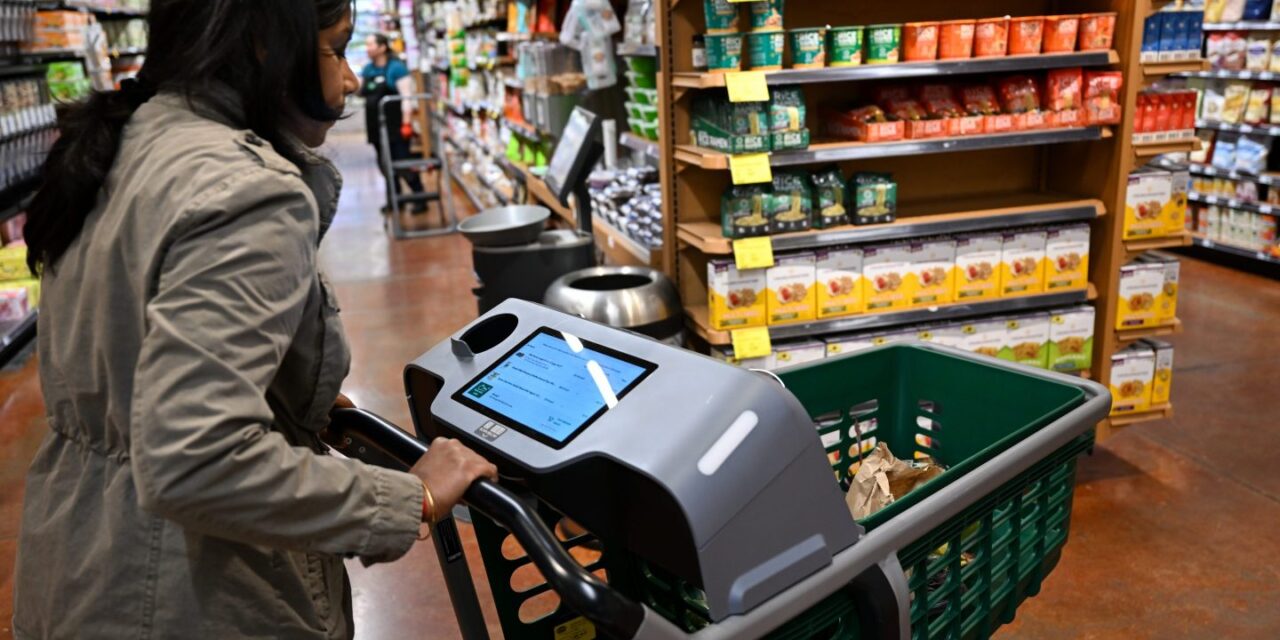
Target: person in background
386,75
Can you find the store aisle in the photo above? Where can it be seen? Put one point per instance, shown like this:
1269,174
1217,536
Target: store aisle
1172,534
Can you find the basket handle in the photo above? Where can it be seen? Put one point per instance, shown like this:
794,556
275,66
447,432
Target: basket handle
358,434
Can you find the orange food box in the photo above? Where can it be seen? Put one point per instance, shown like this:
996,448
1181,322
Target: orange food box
955,39
991,38
964,126
1030,121
1060,34
918,129
1096,30
1002,123
842,124
1026,35
1068,118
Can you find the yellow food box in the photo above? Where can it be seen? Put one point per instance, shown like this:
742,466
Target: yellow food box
985,336
885,267
932,275
1141,285
1067,258
790,294
1167,300
1162,383
978,267
736,298
1175,212
13,263
1148,195
841,287
1022,263
1132,374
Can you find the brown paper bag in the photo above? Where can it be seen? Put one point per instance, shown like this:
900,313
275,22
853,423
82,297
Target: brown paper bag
883,478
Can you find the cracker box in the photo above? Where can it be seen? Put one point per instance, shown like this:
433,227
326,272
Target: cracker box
978,267
1132,374
899,336
1162,381
1067,258
885,268
1071,338
736,298
1022,262
13,263
1026,340
1175,211
790,293
1141,285
725,354
1148,194
984,336
948,335
841,287
931,278
789,354
1167,300
849,343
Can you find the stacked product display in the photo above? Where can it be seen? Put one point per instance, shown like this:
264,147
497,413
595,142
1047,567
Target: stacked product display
630,201
19,290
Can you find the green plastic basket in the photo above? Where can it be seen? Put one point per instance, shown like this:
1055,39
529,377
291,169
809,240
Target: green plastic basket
966,576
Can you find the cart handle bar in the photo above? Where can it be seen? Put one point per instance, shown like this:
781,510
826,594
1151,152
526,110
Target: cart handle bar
351,430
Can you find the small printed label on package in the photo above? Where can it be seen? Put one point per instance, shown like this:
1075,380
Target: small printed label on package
978,267
790,292
1026,340
1132,374
1067,253
843,345
840,282
1071,339
751,168
1141,285
985,336
948,336
1175,213
1167,305
885,268
797,353
931,279
736,297
1145,201
1162,381
1022,263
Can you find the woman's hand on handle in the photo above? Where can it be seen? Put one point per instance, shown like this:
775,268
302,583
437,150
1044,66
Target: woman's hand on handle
448,469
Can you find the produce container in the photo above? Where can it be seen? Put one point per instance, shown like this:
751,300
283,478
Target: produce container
647,65
634,110
642,96
722,16
642,80
884,43
649,129
1096,30
955,39
648,112
766,15
808,48
1026,35
920,41
844,46
724,52
991,38
637,125
764,50
1060,34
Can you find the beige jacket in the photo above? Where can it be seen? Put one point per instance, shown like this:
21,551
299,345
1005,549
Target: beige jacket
189,352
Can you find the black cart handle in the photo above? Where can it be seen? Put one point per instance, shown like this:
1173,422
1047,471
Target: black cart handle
356,432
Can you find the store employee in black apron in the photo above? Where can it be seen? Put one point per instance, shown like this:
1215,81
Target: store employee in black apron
386,75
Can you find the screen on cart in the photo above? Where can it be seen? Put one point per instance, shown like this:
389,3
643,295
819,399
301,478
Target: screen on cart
554,385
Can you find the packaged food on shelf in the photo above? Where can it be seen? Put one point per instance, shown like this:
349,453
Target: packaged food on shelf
898,103
840,282
985,336
1166,304
1022,258
1060,33
940,102
1235,99
764,49
1102,100
1258,108
885,268
1067,254
1257,53
790,354
864,124
14,305
1096,31
980,100
978,267
744,211
840,345
790,205
883,43
1071,338
874,198
1162,379
920,41
1020,97
730,127
947,335
1251,156
829,199
766,15
1026,35
1132,374
1175,214
724,52
787,117
737,298
955,39
845,46
722,16
1148,195
13,263
808,48
1140,288
725,354
790,293
991,37
931,276
1026,340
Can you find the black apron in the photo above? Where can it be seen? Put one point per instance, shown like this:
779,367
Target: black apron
373,91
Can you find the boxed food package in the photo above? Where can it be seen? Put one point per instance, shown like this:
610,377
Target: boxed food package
790,292
864,124
885,268
931,278
729,127
14,305
1162,380
789,354
1141,285
897,337
13,263
1022,260
948,335
1175,212
1067,256
984,336
1071,338
978,267
787,119
840,282
1148,194
1102,100
849,343
1166,304
1026,340
1132,374
725,354
736,298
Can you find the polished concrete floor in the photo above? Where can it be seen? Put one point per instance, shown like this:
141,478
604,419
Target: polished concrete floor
1176,529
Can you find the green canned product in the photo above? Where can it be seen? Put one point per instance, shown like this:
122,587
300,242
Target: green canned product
764,50
724,52
808,48
766,15
722,16
845,48
883,43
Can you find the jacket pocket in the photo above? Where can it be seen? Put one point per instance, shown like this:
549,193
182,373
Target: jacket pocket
334,358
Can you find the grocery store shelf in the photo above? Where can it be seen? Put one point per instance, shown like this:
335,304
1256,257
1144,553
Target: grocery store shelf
1232,203
1181,67
1157,412
700,319
18,134
49,57
1223,74
14,337
1130,335
1151,244
1230,249
1153,149
638,50
1246,25
507,36
1004,64
643,145
523,128
10,70
128,51
943,217
470,193
839,151
104,12
618,246
1214,172
540,192
1261,129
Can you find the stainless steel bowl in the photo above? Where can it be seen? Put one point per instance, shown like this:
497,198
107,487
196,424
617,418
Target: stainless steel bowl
505,226
636,298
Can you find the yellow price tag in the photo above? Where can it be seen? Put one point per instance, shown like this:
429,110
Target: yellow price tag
751,168
746,86
576,629
752,343
753,253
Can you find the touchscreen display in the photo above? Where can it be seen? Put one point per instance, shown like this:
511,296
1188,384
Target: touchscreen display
553,385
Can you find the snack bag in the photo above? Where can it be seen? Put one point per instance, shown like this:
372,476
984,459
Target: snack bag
1258,109
940,101
829,199
1102,96
980,100
1064,89
1019,94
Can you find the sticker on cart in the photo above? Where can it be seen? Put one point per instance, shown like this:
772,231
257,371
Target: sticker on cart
576,629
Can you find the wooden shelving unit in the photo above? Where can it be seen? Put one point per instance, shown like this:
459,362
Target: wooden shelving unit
1157,70
1134,247
1158,412
1147,150
1126,336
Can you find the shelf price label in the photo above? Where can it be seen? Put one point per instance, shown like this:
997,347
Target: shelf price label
746,86
751,168
753,253
751,343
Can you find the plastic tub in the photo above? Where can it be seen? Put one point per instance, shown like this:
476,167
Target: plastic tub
808,48
722,16
637,125
991,38
884,43
647,65
634,110
764,50
642,80
766,15
955,39
1060,34
724,52
920,41
649,130
1026,35
642,96
1096,30
648,112
844,46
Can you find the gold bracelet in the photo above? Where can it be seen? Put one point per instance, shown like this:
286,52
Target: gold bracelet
431,510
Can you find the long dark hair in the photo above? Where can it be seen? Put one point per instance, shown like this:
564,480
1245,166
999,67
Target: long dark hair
385,42
265,51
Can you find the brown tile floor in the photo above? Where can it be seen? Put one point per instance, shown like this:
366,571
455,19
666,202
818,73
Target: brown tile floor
1174,531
